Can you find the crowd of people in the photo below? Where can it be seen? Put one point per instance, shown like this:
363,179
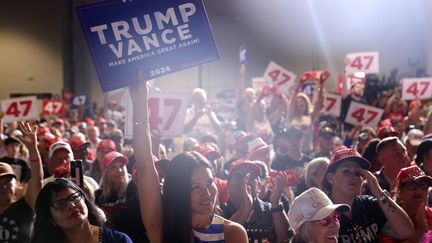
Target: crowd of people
279,170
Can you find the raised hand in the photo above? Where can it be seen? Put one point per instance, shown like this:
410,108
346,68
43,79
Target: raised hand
246,192
279,181
373,184
28,137
139,91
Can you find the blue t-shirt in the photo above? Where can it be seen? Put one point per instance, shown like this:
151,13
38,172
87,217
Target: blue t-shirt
112,236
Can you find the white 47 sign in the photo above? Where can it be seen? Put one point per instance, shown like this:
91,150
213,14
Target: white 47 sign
331,104
361,114
166,113
19,109
279,76
366,62
416,87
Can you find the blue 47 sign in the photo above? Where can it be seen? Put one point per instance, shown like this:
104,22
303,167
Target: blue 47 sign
156,36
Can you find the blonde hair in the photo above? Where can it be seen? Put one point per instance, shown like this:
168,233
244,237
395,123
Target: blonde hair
96,130
313,167
107,186
200,92
308,108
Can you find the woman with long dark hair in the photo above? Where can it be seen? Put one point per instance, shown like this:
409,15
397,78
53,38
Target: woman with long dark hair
64,214
189,198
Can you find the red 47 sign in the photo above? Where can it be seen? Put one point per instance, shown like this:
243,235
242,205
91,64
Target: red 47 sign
366,62
279,76
19,109
331,104
52,107
166,113
416,87
361,114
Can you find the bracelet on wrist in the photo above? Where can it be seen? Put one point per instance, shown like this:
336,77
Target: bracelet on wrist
141,123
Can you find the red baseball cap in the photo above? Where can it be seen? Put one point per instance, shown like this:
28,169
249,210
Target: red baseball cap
78,142
208,150
245,165
59,120
43,130
113,155
256,145
350,154
100,121
89,121
386,131
107,144
242,137
412,173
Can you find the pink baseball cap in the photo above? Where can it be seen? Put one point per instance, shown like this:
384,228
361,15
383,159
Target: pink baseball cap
107,144
113,155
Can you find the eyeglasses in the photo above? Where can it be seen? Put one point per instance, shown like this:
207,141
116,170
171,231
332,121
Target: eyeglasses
63,203
334,217
423,185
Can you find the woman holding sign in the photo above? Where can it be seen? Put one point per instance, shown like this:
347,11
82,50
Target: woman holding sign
189,199
300,111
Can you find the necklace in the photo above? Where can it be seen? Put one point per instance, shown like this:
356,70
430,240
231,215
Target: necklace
100,235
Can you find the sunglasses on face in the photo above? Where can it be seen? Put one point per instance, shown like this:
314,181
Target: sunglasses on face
63,203
423,185
334,217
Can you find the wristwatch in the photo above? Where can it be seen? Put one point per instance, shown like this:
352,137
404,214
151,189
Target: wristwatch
278,209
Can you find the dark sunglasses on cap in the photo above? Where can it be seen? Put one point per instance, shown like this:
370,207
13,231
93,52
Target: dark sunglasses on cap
63,203
412,185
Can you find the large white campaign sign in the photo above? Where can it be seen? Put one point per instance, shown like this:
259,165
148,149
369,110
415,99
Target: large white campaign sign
19,109
366,62
166,113
279,76
416,87
331,104
361,114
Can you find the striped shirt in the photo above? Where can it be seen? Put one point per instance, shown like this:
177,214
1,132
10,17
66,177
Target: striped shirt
213,234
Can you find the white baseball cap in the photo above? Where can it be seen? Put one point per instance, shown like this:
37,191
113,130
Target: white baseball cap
60,145
414,136
311,205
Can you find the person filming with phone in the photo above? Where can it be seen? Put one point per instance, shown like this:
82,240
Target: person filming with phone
60,156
